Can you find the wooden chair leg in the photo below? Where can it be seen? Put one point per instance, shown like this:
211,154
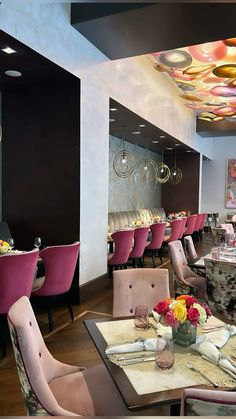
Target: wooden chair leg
69,306
140,263
160,255
4,335
153,259
110,270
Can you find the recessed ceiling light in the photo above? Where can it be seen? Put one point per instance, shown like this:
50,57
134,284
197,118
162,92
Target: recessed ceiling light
162,136
13,73
155,141
112,120
142,125
113,109
169,148
188,151
135,132
177,145
8,50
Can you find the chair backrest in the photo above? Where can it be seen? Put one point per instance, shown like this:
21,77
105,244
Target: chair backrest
203,220
158,232
17,273
191,220
233,218
138,286
36,366
123,242
221,287
218,235
60,263
140,241
176,226
228,228
198,222
181,271
183,226
198,402
190,248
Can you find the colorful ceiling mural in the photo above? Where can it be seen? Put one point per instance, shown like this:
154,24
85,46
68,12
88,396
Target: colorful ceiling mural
206,77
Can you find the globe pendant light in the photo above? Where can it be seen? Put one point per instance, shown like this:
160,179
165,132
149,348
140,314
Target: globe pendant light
175,173
163,171
123,163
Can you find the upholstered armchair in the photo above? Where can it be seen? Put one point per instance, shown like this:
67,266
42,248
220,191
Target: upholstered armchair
50,387
200,402
218,235
132,287
221,287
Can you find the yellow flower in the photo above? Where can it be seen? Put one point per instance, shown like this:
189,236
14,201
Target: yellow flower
183,302
180,312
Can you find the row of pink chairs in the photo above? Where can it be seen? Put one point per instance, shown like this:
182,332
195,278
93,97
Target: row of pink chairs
125,239
17,279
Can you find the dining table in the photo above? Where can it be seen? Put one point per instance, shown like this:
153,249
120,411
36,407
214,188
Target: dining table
226,254
141,385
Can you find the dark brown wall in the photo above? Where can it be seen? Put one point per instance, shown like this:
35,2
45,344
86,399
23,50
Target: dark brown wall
41,155
185,195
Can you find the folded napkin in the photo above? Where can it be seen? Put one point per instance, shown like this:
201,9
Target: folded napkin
220,337
139,345
211,353
160,329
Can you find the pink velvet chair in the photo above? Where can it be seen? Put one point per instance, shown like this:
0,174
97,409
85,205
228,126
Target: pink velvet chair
155,245
191,221
201,402
190,248
50,387
176,226
140,241
123,241
17,274
183,227
185,280
139,286
60,263
196,229
228,228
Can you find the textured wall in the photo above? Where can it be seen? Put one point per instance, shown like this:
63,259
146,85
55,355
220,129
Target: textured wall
133,192
133,82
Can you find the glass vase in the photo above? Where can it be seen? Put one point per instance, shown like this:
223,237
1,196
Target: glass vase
185,334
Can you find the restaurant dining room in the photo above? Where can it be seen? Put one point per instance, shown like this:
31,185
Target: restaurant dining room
117,208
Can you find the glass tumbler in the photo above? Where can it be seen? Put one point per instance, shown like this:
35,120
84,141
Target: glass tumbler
141,317
164,355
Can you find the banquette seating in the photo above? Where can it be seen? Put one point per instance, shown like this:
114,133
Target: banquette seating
123,219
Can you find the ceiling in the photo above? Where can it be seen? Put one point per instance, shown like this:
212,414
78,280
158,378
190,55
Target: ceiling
129,126
115,30
34,67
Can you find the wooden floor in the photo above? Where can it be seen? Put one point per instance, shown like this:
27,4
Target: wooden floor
69,342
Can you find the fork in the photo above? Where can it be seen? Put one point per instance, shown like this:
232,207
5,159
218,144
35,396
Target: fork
193,368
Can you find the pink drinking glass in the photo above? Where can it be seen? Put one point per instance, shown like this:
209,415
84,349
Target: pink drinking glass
141,317
164,355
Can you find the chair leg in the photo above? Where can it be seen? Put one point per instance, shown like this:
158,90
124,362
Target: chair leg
153,259
140,263
110,270
69,306
49,303
4,334
160,255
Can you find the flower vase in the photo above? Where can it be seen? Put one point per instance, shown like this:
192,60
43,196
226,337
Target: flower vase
185,334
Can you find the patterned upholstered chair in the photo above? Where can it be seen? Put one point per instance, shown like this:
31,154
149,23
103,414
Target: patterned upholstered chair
50,387
185,280
139,286
221,287
199,402
218,235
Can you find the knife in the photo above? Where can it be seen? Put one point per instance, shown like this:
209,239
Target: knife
133,356
138,360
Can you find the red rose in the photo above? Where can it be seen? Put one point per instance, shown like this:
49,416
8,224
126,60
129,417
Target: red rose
190,300
170,320
162,307
193,315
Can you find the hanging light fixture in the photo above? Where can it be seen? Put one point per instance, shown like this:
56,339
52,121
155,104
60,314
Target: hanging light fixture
146,169
175,173
123,162
163,171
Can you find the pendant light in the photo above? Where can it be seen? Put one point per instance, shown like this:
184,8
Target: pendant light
163,171
175,173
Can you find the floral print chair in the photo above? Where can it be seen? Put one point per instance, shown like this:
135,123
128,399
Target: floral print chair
199,402
221,287
218,235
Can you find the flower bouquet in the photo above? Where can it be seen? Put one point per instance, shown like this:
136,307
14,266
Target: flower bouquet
155,218
138,223
183,314
4,247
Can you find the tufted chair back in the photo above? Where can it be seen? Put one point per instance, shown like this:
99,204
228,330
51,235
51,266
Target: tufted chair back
190,248
139,286
191,220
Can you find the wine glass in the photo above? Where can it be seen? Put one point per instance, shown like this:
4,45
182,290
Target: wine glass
141,317
11,243
164,355
37,242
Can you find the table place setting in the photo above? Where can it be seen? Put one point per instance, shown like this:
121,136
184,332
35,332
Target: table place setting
147,354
